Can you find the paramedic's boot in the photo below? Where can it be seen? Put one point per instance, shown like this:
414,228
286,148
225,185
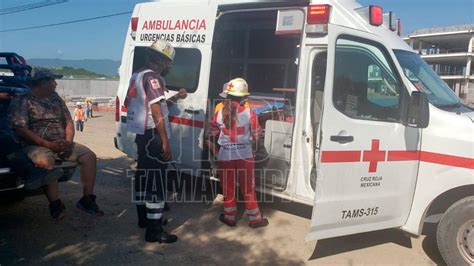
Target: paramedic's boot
262,223
155,233
141,214
225,221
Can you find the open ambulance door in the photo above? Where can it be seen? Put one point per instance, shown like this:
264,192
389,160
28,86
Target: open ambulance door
189,27
367,160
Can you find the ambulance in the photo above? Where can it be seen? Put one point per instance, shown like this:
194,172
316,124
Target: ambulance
355,123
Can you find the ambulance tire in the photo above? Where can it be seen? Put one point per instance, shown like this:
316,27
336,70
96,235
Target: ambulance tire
452,230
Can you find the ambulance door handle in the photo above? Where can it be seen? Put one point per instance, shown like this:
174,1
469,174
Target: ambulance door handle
193,112
342,139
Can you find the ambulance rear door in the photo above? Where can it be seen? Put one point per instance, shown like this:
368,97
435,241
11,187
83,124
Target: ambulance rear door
189,27
368,159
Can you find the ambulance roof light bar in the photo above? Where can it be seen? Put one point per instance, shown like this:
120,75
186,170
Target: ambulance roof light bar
318,18
318,14
374,14
390,21
399,27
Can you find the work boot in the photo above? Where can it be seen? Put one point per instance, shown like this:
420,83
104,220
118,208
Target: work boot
262,223
87,204
57,210
39,177
155,233
227,222
141,214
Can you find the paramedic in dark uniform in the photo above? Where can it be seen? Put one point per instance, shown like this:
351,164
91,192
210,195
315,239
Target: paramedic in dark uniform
147,117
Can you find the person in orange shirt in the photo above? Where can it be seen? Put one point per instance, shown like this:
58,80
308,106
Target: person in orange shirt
79,117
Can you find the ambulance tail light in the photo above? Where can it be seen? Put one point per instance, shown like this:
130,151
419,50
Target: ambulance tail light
318,18
117,109
134,23
133,27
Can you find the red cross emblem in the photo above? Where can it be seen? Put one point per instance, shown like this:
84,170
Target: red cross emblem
234,132
374,156
230,86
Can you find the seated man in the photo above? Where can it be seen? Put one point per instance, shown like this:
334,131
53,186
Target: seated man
14,157
43,122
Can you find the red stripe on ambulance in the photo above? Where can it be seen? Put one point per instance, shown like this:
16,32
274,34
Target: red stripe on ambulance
340,156
403,156
186,122
375,156
438,158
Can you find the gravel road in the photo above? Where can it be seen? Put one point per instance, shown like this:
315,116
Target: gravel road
28,235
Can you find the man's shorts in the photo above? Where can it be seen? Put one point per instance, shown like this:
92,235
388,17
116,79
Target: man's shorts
36,153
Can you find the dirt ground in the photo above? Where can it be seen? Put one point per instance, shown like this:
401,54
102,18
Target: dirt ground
29,236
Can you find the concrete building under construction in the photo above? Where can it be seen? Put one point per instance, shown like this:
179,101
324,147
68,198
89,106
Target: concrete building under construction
450,51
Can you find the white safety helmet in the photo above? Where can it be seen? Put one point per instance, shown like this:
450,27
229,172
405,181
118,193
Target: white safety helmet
78,103
223,94
237,87
165,48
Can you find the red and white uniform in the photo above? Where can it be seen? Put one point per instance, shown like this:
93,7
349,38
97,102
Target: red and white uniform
236,160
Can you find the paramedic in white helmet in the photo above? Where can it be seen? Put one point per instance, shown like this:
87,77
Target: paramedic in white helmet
147,117
233,128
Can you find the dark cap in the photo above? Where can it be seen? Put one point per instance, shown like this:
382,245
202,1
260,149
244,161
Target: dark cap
41,73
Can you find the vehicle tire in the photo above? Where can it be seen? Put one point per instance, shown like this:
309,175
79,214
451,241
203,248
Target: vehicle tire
455,233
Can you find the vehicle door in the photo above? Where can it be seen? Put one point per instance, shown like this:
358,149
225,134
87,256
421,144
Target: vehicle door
367,160
189,27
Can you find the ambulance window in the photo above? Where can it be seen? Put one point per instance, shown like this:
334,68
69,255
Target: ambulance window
318,79
184,72
366,85
259,48
229,44
265,77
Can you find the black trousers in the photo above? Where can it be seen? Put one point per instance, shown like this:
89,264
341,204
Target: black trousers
150,177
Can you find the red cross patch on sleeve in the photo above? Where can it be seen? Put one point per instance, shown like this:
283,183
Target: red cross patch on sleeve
155,84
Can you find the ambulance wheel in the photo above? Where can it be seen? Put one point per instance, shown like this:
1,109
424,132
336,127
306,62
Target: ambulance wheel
455,233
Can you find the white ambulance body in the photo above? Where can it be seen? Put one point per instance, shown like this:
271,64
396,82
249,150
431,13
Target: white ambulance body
355,123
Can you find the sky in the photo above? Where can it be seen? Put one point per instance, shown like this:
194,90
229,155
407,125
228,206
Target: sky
104,38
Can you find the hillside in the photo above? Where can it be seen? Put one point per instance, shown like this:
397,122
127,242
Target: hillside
70,72
103,67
